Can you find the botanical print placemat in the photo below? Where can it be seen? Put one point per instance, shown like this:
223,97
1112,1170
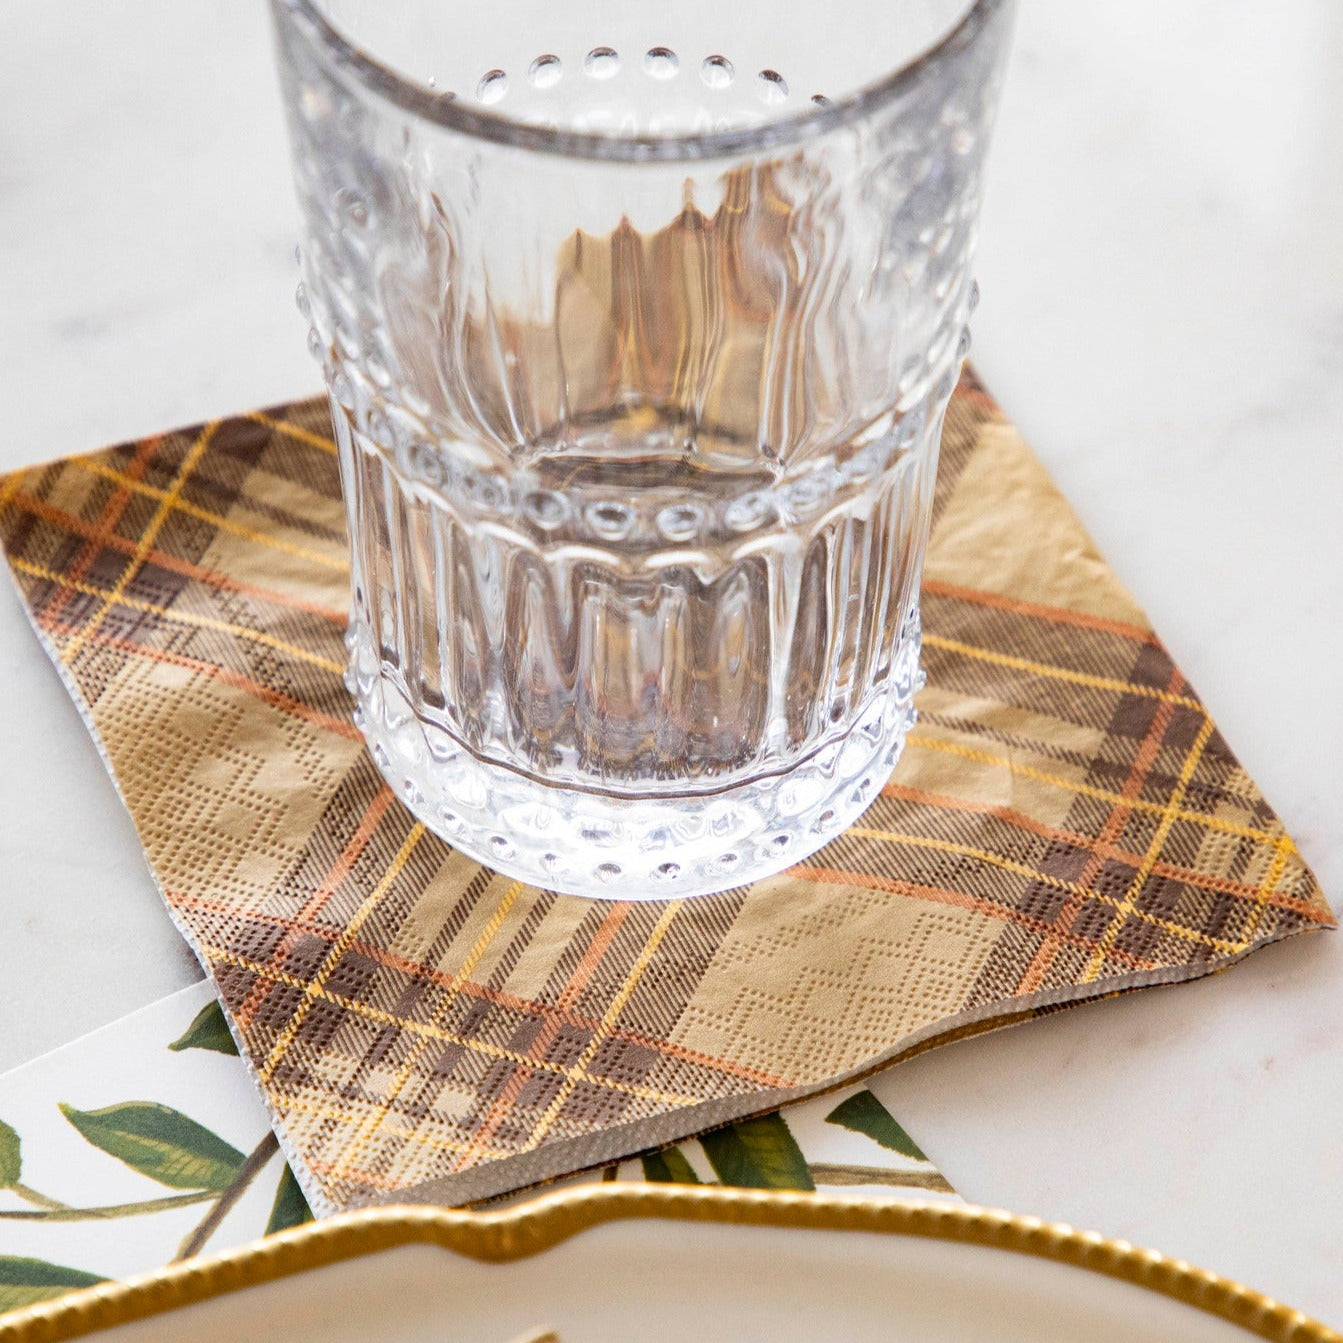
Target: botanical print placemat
135,1145
1066,822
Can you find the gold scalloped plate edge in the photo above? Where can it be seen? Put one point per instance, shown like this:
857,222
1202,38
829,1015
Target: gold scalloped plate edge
536,1226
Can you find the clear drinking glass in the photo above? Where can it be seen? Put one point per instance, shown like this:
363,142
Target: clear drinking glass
639,322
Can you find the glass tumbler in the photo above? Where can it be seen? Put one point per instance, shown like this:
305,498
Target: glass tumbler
639,323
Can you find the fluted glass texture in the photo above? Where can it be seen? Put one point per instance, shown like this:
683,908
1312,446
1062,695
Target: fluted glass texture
639,330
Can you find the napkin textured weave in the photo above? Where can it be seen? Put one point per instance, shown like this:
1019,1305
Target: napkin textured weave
1066,822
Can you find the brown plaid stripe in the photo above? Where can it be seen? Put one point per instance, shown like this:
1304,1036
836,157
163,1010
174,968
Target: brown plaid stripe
1066,821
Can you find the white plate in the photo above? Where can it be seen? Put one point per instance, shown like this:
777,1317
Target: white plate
675,1264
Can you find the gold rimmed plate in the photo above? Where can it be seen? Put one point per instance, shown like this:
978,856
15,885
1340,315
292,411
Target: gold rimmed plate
659,1262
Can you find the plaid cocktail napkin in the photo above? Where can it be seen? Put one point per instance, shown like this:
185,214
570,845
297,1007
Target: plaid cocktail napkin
1066,822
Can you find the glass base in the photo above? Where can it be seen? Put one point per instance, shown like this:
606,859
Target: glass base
606,846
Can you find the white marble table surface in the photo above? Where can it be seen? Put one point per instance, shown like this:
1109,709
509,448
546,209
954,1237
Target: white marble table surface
1163,277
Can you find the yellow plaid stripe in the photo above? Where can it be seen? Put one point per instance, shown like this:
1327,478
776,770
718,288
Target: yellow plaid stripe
603,1031
1058,883
1054,673
224,524
355,1154
356,1107
181,617
313,990
1266,890
1126,906
9,487
295,431
167,498
921,742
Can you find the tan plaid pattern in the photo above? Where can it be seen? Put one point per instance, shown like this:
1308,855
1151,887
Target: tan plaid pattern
1066,822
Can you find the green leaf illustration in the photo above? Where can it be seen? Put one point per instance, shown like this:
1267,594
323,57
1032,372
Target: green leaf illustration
864,1113
11,1162
208,1030
24,1282
290,1207
830,1173
758,1154
669,1167
161,1143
